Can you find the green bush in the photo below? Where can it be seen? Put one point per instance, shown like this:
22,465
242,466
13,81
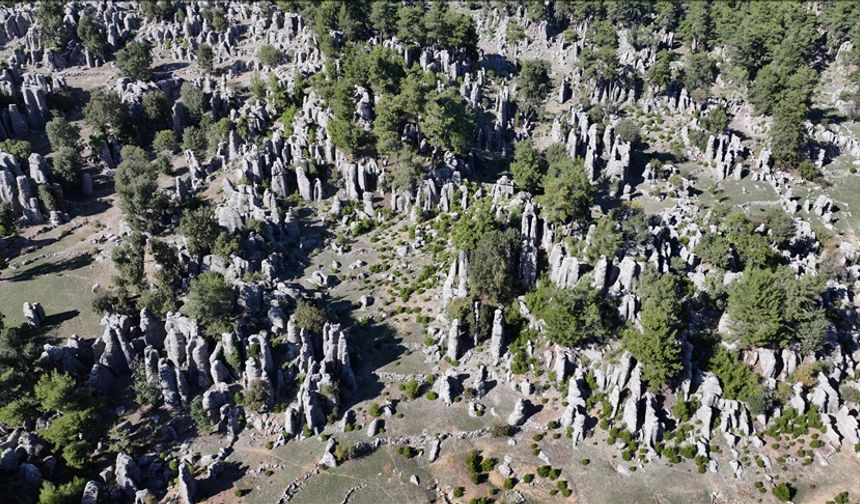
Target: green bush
67,493
783,492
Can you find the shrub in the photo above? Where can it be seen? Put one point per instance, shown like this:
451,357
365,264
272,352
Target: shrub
309,316
195,140
134,61
411,388
21,149
66,493
628,130
165,141
783,492
488,464
205,57
374,410
211,300
269,55
849,393
473,465
406,451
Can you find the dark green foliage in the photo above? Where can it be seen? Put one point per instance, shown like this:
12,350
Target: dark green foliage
7,221
256,395
135,61
700,72
410,26
599,57
156,109
226,245
628,130
394,112
145,391
406,170
200,229
473,466
738,381
269,55
492,266
567,192
412,388
351,19
105,112
77,421
196,140
67,167
61,133
533,83
449,122
142,203
157,9
217,18
714,249
380,69
475,222
67,493
21,149
383,17
660,74
771,308
657,346
697,26
783,492
717,120
752,248
198,415
605,238
205,57
165,141
193,99
342,129
572,316
528,167
780,225
128,260
161,298
211,301
309,316
49,15
91,36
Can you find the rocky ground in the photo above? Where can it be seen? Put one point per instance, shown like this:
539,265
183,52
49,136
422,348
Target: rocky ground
410,374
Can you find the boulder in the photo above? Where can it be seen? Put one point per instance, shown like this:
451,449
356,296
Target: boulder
518,416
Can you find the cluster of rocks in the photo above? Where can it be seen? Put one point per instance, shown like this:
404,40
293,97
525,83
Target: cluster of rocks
606,157
27,454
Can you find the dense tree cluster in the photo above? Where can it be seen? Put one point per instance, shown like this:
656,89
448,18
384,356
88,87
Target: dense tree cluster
572,316
657,345
773,308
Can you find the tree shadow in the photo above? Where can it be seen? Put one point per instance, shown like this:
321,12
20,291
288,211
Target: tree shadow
58,318
16,245
89,207
499,64
373,347
53,268
169,67
827,115
222,480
